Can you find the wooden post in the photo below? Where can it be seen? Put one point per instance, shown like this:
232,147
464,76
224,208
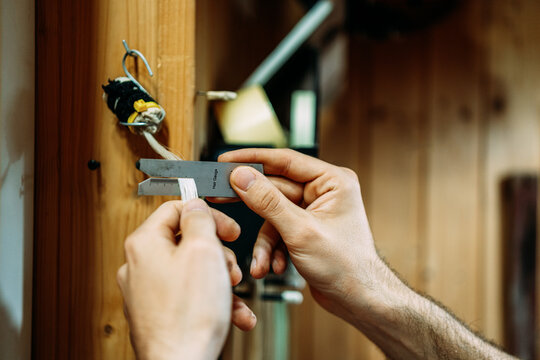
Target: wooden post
84,215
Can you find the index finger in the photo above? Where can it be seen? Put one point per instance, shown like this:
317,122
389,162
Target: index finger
164,221
283,162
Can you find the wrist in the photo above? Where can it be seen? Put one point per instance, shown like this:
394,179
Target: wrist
197,348
379,295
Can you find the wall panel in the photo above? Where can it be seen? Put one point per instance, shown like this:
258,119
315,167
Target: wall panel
83,216
433,122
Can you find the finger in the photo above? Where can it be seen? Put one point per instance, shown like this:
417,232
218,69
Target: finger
163,223
222,200
261,196
242,316
227,228
291,189
283,162
279,262
197,223
232,265
266,242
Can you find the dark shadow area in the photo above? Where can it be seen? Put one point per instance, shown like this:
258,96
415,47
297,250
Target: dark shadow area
66,258
18,127
9,339
519,219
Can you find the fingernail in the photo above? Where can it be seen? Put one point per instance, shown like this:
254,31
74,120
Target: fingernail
253,316
275,264
195,205
243,177
253,264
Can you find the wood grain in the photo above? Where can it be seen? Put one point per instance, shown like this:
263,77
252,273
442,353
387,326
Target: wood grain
462,92
431,122
512,128
83,216
453,167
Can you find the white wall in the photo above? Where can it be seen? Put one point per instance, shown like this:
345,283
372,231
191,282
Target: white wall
16,176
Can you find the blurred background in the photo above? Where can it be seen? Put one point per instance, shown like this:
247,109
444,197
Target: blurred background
435,104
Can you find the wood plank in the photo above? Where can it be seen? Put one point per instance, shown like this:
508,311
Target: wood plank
83,216
345,140
452,252
512,128
479,141
47,188
397,112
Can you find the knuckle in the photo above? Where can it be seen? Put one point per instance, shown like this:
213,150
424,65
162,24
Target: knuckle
350,181
134,248
119,278
287,156
121,275
350,174
269,203
130,245
170,205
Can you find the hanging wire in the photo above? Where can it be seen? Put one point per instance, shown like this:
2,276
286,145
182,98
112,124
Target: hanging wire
135,53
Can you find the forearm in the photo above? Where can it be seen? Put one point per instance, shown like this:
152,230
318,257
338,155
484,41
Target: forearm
406,325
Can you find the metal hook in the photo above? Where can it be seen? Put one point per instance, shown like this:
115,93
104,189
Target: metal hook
135,53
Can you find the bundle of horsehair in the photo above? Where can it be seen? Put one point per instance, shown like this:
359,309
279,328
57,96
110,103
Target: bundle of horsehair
136,109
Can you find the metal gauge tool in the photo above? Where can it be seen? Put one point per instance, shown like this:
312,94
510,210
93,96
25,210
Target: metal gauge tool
211,178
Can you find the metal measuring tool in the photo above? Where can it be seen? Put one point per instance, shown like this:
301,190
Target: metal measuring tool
211,178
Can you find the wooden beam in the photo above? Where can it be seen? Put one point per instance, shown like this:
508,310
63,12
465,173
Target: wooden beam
83,216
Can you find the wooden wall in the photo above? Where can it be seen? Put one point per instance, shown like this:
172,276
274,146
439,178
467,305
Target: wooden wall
432,122
83,216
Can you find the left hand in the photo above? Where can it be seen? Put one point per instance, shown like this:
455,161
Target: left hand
177,295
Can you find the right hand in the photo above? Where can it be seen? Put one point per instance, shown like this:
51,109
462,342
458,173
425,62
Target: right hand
316,210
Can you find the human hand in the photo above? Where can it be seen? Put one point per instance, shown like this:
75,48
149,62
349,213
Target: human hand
315,209
177,295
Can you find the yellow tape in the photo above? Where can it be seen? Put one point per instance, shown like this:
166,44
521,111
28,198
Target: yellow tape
140,106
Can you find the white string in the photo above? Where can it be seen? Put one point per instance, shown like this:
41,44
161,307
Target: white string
188,189
153,118
160,149
220,95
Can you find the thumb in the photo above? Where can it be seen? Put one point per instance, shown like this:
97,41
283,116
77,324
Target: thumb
261,196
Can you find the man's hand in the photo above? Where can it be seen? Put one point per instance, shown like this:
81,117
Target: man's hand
316,209
178,297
